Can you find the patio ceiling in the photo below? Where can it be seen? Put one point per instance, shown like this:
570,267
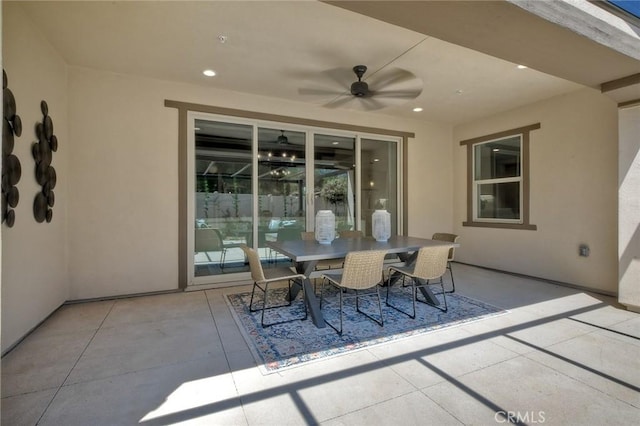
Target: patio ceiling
275,49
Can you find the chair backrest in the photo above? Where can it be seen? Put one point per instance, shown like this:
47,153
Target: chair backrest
207,239
308,236
257,274
219,235
363,269
431,262
351,234
289,233
452,238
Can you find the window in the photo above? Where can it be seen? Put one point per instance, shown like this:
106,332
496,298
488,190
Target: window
498,179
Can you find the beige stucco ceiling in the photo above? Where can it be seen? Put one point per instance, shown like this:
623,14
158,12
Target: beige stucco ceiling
277,48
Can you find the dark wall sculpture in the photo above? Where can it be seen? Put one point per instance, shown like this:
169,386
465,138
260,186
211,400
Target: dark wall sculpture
11,169
45,173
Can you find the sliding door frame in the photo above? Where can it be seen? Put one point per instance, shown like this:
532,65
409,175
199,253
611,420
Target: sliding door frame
185,240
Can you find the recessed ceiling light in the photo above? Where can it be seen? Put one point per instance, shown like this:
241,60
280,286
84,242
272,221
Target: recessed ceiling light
209,73
459,92
376,159
522,67
417,109
335,143
496,149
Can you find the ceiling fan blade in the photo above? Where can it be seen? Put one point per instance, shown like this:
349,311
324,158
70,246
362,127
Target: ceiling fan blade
343,100
342,76
319,92
391,77
370,104
398,94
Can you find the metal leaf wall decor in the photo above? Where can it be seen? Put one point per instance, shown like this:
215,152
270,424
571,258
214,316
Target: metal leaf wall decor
11,169
45,173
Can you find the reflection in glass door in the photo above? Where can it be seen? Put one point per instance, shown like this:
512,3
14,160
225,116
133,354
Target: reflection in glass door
334,178
254,183
223,197
281,187
379,177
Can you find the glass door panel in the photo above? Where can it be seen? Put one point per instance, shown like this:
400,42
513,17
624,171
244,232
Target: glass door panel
281,187
223,196
334,178
379,174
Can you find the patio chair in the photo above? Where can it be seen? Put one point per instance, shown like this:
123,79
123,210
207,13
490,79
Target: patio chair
287,233
261,281
452,238
350,234
430,264
362,273
206,241
225,247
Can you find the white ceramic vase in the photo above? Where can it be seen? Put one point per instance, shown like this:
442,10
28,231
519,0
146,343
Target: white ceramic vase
325,227
381,225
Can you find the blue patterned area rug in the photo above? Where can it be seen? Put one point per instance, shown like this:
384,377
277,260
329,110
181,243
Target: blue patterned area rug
294,343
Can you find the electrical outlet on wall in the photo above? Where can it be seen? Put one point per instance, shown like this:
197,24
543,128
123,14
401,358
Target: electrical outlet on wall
583,250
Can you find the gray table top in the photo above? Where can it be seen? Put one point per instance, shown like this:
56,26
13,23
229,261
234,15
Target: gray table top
305,251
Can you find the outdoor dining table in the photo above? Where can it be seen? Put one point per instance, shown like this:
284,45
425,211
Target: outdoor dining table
306,254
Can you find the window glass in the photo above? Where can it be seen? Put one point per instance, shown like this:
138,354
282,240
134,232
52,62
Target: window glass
498,184
379,173
499,200
223,199
334,178
497,172
497,159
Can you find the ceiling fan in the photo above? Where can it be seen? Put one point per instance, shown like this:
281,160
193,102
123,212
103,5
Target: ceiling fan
386,87
282,139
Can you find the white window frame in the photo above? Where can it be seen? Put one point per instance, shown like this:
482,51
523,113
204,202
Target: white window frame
477,183
523,223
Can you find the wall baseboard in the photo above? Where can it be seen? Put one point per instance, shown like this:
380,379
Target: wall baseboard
546,280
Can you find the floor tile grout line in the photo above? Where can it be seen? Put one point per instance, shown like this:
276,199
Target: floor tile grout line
577,379
75,363
549,352
605,328
226,357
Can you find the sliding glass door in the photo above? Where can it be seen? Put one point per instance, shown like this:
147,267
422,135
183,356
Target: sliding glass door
380,181
281,187
255,182
223,202
334,159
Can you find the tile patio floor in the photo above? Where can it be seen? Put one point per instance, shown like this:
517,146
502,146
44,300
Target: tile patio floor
560,357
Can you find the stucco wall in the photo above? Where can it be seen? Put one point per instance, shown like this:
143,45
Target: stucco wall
34,255
123,176
629,208
573,193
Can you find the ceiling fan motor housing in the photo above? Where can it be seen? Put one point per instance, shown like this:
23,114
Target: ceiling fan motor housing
359,89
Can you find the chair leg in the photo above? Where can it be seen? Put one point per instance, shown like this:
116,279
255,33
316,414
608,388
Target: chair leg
444,296
395,307
253,292
380,322
453,283
304,299
265,307
337,330
264,304
223,254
